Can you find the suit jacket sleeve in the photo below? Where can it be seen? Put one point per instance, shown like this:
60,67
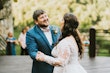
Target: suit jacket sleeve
31,45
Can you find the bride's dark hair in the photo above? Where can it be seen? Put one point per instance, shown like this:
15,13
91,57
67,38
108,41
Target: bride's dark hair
70,28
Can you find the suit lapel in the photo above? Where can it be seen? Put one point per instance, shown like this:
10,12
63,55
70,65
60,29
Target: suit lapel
53,35
42,35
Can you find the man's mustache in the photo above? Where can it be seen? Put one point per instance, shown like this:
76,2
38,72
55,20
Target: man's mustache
46,20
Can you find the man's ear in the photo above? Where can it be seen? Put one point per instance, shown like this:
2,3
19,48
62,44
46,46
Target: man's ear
35,21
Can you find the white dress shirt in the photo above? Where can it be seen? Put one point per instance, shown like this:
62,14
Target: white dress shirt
48,34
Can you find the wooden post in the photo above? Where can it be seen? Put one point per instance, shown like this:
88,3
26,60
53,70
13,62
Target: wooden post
92,47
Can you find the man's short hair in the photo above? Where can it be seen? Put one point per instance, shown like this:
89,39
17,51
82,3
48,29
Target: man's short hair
37,13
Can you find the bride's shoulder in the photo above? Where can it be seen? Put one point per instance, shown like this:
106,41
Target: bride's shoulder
64,41
67,40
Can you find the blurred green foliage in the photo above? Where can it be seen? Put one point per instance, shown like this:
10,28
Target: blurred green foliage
17,31
103,45
89,12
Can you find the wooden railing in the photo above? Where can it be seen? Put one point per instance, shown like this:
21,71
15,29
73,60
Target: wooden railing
99,42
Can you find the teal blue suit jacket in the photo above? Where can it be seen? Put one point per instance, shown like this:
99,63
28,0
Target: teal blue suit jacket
37,41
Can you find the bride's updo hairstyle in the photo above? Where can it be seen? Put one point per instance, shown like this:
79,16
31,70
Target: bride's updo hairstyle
70,28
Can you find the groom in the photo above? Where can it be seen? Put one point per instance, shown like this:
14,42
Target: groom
42,37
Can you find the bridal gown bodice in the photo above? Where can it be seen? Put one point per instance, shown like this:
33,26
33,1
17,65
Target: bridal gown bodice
67,53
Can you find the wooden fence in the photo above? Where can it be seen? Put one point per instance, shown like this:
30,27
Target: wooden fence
99,41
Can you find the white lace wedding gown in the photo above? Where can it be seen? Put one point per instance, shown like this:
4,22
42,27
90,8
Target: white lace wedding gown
66,57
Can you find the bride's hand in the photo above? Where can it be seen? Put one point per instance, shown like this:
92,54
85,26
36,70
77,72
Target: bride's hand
40,56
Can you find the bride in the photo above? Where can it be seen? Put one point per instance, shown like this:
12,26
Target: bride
68,50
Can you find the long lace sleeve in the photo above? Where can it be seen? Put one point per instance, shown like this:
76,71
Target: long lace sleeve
61,53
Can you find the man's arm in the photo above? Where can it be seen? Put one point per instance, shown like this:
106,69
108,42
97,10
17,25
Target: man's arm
31,45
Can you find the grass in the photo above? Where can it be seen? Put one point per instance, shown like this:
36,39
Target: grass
103,52
18,50
16,35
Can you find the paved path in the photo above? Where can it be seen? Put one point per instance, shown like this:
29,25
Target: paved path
22,64
15,64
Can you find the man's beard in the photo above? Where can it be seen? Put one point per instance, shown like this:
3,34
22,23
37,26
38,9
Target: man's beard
43,26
